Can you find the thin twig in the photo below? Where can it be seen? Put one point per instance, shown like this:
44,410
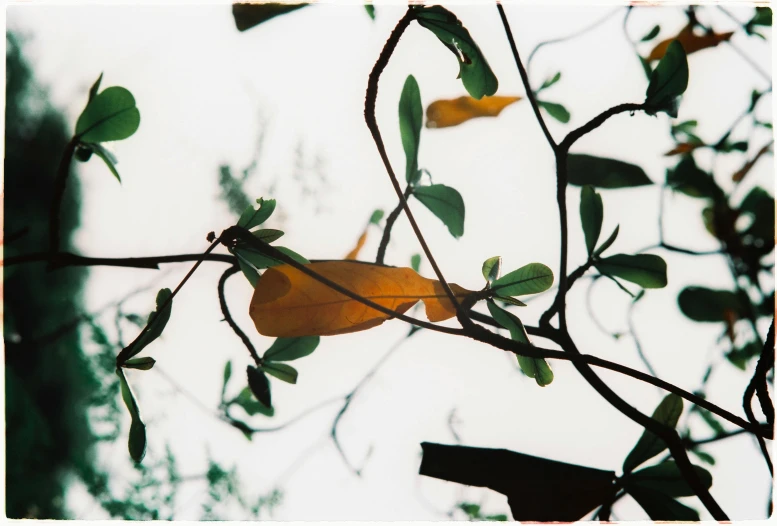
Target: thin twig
69,259
758,383
597,121
228,317
390,220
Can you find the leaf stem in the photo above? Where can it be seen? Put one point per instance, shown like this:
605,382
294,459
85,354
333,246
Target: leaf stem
234,269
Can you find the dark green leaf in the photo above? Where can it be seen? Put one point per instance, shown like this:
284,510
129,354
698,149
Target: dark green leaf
667,478
370,10
760,205
376,216
529,279
253,217
710,420
668,81
411,120
492,268
610,240
646,270
250,15
704,457
95,87
260,261
649,445
661,507
248,402
83,153
144,364
444,202
137,434
157,321
653,33
474,70
536,368
557,111
511,301
496,518
248,271
646,67
108,158
709,305
537,489
604,173
549,82
268,235
110,116
227,375
415,262
242,426
762,17
287,349
473,510
591,216
687,178
259,385
282,371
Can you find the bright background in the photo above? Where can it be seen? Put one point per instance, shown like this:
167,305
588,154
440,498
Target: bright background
207,92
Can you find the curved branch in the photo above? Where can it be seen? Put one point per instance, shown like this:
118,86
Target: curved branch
390,220
228,317
597,121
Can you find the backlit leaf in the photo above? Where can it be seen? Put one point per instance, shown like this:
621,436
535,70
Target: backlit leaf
137,433
557,111
549,82
259,385
253,217
95,87
287,349
289,303
602,172
691,42
610,240
157,321
143,364
649,445
282,371
376,216
529,279
474,71
249,15
689,179
268,235
668,81
110,116
415,262
537,489
370,10
646,270
591,216
250,405
444,202
709,305
492,268
653,33
452,112
411,118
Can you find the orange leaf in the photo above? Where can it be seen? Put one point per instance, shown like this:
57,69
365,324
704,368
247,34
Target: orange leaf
353,254
451,112
289,303
691,42
742,172
685,147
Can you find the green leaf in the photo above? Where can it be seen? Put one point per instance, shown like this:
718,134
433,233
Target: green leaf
763,17
109,116
496,518
248,270
287,349
646,67
661,507
603,172
591,216
704,457
108,158
537,489
492,268
444,202
260,261
156,323
282,371
557,111
474,71
253,217
649,445
248,402
653,33
709,305
259,385
268,235
667,478
610,240
411,120
668,81
689,179
415,262
227,376
760,205
536,368
249,15
511,301
529,279
370,10
549,82
646,270
144,364
95,87
376,216
137,433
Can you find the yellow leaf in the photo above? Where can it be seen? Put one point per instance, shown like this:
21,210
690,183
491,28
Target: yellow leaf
691,42
444,113
289,303
353,254
684,147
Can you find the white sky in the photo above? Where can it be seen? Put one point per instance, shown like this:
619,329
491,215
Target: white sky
204,91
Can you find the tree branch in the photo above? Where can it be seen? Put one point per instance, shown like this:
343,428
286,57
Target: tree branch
69,259
228,317
597,121
390,220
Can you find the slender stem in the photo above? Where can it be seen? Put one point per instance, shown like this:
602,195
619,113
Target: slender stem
228,317
372,124
390,220
525,78
637,343
556,306
60,184
716,438
597,121
759,383
68,259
